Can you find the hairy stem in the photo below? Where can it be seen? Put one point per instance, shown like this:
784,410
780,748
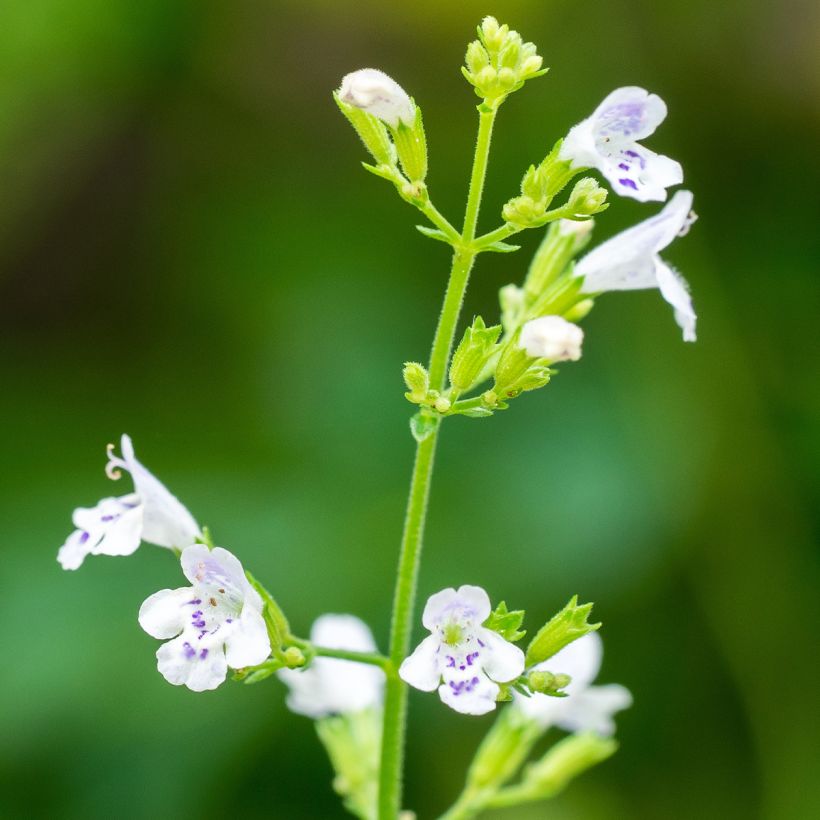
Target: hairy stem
404,599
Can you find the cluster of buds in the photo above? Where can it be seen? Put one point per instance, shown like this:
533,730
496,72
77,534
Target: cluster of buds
539,187
500,62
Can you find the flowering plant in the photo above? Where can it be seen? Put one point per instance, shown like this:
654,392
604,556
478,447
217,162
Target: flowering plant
225,620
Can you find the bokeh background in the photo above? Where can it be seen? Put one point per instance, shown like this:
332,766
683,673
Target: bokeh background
191,253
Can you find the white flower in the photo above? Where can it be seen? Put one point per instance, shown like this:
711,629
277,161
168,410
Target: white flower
330,685
586,707
630,261
215,623
608,141
468,657
117,525
553,338
373,91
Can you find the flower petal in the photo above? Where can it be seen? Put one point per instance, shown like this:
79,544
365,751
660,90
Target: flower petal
164,614
342,632
592,709
120,536
581,660
167,522
199,666
630,113
72,553
377,94
641,174
421,668
504,661
436,606
473,695
675,290
627,261
247,643
219,568
476,599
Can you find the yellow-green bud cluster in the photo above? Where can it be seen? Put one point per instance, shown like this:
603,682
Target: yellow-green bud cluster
547,683
538,188
500,62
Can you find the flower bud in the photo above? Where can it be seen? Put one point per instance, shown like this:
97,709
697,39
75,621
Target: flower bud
376,93
476,347
477,57
579,311
417,380
293,657
552,338
587,198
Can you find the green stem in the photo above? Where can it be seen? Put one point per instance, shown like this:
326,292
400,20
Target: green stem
372,658
404,598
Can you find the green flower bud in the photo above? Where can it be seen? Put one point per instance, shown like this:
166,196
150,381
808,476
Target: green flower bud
417,380
474,351
293,657
477,57
443,404
587,198
566,626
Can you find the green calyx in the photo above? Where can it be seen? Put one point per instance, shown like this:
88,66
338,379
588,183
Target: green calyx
477,347
563,628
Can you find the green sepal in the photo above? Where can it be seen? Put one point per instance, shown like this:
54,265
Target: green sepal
433,233
411,146
423,425
563,628
506,623
258,673
477,347
383,171
275,620
371,130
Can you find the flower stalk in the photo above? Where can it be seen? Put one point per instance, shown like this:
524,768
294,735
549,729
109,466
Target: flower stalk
404,598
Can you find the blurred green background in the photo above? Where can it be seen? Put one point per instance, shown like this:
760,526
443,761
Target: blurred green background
191,253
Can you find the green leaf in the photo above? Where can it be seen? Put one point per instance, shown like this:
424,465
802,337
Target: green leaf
565,627
501,247
433,233
474,412
506,623
383,171
422,426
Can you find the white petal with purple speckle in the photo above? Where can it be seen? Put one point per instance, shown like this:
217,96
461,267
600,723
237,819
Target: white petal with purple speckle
215,623
462,658
608,141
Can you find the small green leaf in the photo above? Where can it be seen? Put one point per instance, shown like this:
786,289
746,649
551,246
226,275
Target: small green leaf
506,623
383,171
475,412
422,426
501,247
433,233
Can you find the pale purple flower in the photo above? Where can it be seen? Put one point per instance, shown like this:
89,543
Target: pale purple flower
630,261
608,141
461,658
215,623
116,526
